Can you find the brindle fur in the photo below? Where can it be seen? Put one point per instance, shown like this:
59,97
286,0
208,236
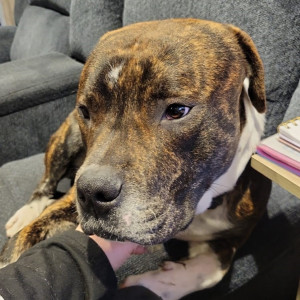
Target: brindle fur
166,165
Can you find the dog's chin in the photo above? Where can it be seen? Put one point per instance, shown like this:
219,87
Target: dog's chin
100,232
141,235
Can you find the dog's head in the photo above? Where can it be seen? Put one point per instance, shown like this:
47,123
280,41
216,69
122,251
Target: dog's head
160,111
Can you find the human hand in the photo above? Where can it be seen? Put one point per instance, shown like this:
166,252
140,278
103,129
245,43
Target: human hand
116,252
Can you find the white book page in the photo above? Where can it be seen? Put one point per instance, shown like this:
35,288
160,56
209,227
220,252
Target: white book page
274,143
291,130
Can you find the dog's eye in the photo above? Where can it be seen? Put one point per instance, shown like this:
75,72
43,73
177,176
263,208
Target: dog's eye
176,111
83,111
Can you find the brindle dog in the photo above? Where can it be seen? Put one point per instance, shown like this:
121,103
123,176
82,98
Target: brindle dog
168,115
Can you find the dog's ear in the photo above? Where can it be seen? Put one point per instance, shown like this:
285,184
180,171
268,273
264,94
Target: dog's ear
255,70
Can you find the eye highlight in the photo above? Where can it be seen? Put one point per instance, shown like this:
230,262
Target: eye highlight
84,112
176,111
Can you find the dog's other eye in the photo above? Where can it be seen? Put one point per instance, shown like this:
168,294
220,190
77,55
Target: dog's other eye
83,112
176,111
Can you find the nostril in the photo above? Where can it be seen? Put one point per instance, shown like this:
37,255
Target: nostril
102,197
108,192
81,197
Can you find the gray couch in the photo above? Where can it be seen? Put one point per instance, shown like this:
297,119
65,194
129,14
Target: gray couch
267,267
40,65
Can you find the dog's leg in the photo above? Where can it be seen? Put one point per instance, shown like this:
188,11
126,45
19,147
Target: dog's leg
204,268
56,218
64,147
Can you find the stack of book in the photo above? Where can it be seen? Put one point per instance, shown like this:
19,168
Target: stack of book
283,148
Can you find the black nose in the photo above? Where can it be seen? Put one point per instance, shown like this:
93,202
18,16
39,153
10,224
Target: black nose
98,185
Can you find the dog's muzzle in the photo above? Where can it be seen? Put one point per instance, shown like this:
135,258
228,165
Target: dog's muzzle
113,210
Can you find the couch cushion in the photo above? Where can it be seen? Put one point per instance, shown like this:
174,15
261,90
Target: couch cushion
20,6
27,132
90,19
294,107
17,188
39,79
61,6
7,34
40,31
272,24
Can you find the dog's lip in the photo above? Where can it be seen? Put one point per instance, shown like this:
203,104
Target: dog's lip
154,226
148,235
102,234
147,240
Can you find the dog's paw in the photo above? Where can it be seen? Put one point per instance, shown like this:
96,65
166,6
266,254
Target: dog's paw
166,282
25,215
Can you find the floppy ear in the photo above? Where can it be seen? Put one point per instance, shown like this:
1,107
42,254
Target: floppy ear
255,72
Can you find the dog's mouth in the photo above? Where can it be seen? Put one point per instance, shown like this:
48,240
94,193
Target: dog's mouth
139,226
142,235
121,209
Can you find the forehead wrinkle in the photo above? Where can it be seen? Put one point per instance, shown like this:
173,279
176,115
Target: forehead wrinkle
143,80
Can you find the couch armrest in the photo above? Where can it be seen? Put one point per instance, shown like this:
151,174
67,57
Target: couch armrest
7,34
34,81
36,95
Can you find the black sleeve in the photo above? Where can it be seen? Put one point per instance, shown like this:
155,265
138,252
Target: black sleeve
68,266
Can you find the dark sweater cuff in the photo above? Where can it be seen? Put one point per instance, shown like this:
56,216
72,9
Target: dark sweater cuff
94,266
88,251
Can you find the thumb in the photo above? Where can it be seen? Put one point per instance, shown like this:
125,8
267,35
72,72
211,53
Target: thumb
118,252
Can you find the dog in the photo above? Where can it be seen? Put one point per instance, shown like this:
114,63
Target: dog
168,114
